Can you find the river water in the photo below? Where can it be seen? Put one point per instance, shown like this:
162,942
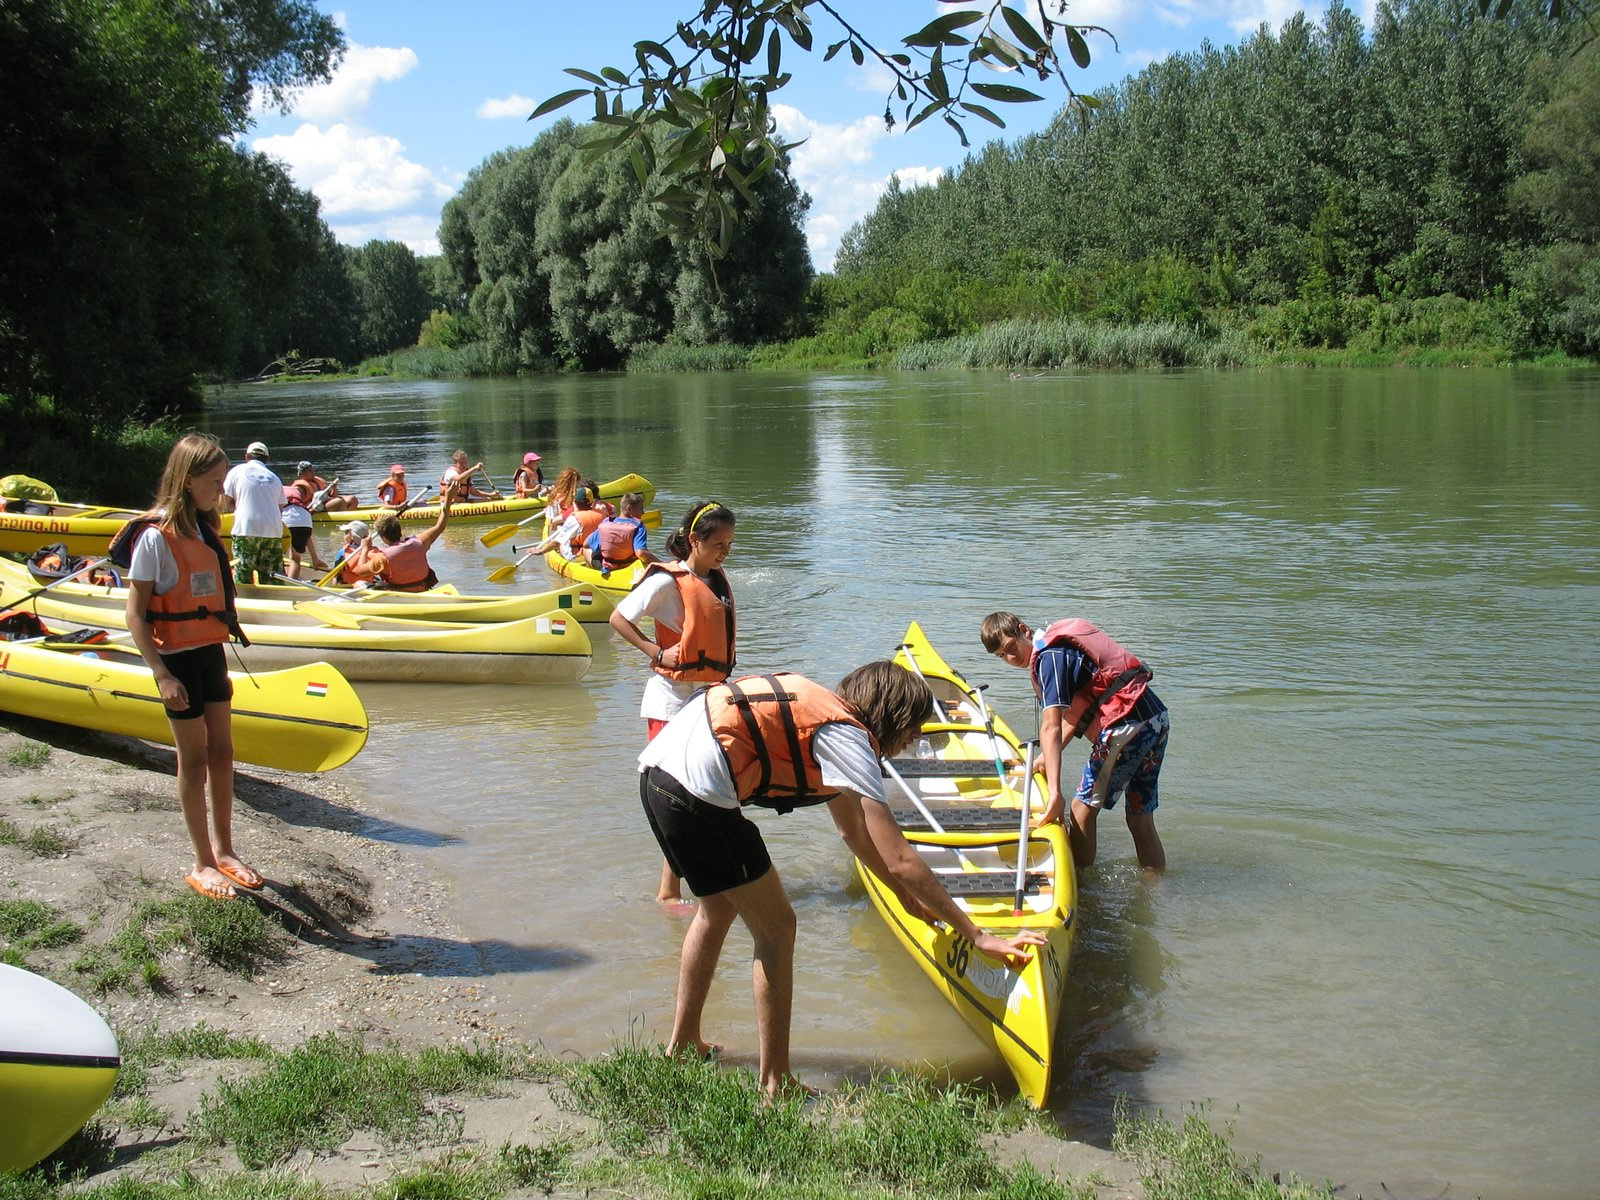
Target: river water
1372,600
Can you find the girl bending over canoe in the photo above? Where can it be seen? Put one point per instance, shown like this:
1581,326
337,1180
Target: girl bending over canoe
180,613
691,603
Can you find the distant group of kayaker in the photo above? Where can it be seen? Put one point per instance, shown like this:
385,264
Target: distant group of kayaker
715,744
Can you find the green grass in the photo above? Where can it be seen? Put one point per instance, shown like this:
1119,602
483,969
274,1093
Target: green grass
1047,345
33,754
32,925
42,841
1193,1160
235,936
675,357
664,1127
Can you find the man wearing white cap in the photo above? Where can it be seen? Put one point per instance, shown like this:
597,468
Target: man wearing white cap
255,495
353,551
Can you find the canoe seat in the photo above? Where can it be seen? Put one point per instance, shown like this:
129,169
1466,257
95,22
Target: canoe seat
944,768
959,817
990,883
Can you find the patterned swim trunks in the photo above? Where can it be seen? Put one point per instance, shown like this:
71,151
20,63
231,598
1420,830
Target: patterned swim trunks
1126,758
257,557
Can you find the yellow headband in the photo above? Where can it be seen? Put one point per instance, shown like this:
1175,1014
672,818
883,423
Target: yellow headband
701,513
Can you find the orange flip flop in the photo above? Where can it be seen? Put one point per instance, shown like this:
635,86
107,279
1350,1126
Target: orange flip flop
248,878
211,891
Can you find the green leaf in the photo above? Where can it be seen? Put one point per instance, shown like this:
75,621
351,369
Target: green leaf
753,38
614,75
1005,93
1022,29
956,125
589,76
656,50
941,30
1078,47
774,53
987,114
639,168
856,53
560,100
924,115
835,48
717,87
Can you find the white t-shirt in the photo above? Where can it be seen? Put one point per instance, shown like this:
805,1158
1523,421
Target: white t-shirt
659,599
688,751
257,496
296,517
152,560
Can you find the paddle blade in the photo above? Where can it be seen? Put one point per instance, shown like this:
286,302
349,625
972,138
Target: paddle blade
499,534
501,574
335,617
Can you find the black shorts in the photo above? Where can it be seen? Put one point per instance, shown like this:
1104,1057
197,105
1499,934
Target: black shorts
300,538
203,672
712,849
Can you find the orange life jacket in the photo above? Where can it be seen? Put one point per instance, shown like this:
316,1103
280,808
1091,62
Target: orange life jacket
198,611
397,490
588,521
299,492
765,725
407,568
706,644
1118,682
527,480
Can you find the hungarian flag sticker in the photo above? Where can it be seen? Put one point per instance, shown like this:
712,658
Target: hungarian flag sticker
316,689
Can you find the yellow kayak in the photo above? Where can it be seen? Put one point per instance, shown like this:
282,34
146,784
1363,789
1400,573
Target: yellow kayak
306,718
549,648
617,583
510,508
968,824
84,529
58,1063
291,604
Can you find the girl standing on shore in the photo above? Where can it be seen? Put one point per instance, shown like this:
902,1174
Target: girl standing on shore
691,603
180,613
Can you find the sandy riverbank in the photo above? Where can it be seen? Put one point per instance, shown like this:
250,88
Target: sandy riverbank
368,945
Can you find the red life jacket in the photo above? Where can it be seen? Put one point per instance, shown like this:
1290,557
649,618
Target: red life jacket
407,567
705,646
1118,682
765,725
616,540
198,611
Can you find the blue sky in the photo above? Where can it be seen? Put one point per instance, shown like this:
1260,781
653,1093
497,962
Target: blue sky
427,91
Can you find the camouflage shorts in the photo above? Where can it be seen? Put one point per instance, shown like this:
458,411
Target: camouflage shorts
257,558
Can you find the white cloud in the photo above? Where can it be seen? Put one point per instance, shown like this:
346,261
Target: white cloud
354,171
420,231
350,89
508,106
837,167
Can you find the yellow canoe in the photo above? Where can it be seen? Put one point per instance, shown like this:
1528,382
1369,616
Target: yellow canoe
84,529
975,850
306,718
289,604
509,509
58,1063
618,583
549,648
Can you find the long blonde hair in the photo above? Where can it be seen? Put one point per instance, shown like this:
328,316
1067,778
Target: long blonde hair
567,482
195,454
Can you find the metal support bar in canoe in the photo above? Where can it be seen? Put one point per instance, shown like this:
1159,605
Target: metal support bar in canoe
958,817
987,883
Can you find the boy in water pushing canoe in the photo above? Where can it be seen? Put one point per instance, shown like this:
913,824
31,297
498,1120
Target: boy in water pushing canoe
1090,685
782,741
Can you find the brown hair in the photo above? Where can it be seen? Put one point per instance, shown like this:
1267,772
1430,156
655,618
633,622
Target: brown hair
891,702
998,627
388,528
567,482
194,454
703,519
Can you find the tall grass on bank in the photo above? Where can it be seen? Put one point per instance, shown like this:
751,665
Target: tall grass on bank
471,361
108,462
1045,345
671,356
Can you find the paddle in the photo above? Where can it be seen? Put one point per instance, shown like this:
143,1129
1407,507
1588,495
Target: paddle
336,617
319,499
501,532
359,591
911,657
417,499
501,574
1022,832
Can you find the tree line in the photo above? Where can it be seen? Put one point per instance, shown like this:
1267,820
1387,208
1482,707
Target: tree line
1312,185
141,250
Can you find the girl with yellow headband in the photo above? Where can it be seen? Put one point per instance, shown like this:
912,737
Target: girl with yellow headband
691,604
